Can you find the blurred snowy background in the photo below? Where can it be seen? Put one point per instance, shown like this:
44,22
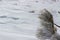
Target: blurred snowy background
19,18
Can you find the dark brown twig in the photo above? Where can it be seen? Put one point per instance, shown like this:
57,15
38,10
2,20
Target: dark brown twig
56,25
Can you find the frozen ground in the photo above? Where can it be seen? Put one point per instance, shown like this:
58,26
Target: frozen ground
19,18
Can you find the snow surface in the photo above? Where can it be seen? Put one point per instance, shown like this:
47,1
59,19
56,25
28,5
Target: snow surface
19,18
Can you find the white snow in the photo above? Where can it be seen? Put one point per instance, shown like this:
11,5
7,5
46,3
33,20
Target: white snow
17,22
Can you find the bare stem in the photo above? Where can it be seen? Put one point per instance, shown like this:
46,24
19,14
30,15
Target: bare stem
56,25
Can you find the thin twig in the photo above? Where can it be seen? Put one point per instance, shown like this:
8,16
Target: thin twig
56,25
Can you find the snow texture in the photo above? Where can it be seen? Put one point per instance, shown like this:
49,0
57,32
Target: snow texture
19,18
